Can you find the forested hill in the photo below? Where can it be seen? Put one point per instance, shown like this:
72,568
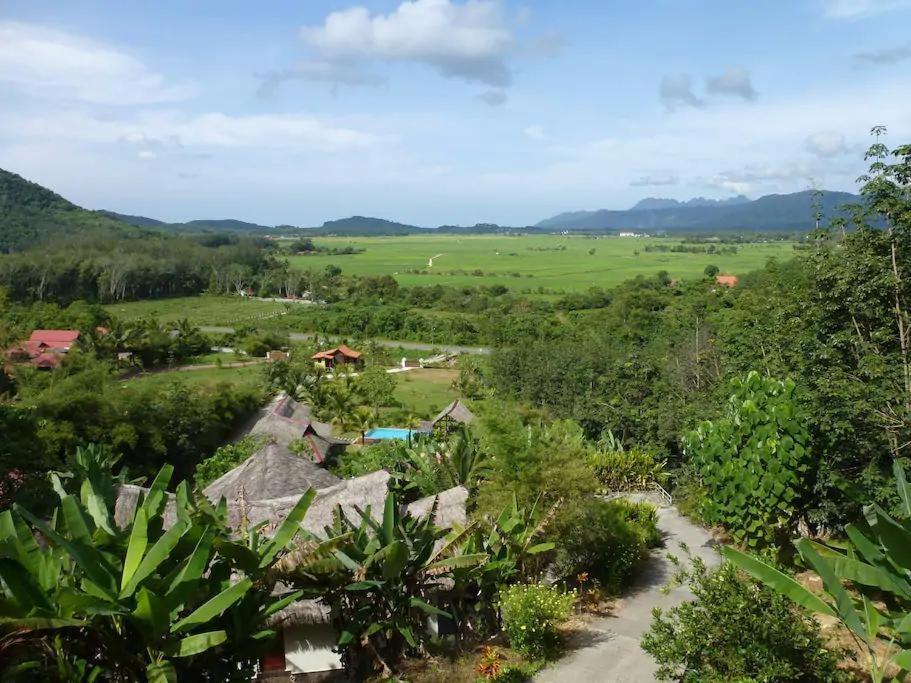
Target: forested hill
366,225
203,225
31,214
774,212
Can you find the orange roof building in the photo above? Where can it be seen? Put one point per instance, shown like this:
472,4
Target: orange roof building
340,355
726,280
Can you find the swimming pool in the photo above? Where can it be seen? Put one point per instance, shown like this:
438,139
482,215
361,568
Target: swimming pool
390,433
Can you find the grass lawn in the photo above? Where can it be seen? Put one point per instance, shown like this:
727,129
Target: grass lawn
225,311
425,392
207,377
539,261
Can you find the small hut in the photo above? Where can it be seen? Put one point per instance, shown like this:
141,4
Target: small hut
285,420
454,414
271,472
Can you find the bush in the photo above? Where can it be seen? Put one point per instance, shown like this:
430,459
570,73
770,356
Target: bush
754,461
736,629
531,614
606,539
626,470
225,459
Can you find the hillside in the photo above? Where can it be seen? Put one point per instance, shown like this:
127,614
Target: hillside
202,225
662,203
775,212
366,225
31,214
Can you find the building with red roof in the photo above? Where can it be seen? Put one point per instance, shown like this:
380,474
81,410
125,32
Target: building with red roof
340,355
726,280
44,348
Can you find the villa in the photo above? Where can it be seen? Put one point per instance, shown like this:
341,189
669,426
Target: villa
340,355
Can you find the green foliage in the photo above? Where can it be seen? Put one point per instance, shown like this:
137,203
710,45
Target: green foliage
376,386
183,598
754,462
606,540
380,582
626,470
225,459
531,614
736,630
865,580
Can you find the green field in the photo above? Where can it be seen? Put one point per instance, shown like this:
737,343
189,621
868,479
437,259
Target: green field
201,310
525,263
425,392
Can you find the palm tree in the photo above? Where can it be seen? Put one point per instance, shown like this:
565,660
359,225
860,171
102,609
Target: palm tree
364,419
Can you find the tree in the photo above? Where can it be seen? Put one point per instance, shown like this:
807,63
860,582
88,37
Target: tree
735,629
380,583
152,598
377,387
865,579
754,461
711,271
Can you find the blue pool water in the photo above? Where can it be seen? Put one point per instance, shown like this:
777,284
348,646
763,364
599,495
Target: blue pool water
389,433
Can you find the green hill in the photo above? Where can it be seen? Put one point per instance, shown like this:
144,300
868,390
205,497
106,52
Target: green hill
31,214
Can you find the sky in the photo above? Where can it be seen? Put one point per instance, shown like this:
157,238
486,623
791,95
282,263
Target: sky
443,111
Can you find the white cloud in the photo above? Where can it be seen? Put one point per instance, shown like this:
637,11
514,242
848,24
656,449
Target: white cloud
146,154
536,132
59,65
891,55
854,9
493,98
677,90
470,41
827,143
176,132
735,81
654,180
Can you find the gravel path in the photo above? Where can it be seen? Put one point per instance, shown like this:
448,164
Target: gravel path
608,651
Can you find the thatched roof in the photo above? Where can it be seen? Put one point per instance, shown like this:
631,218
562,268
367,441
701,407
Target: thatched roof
301,612
271,472
456,411
450,508
128,499
283,420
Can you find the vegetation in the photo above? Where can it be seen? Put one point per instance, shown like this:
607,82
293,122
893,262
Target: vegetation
531,615
140,600
735,629
754,463
865,583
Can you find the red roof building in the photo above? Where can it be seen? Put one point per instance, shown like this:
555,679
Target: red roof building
60,340
43,348
726,280
340,355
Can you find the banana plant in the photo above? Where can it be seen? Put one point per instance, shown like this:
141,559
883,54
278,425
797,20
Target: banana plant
172,593
381,581
867,583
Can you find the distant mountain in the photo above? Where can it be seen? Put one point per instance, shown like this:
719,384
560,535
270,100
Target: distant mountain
659,203
204,225
31,214
774,213
366,225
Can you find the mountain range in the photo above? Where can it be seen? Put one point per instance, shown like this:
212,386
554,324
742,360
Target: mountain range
30,213
771,213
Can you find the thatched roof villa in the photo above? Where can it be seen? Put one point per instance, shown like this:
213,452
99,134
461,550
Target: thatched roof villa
284,420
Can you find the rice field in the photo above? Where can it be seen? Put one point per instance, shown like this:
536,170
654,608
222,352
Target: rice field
524,263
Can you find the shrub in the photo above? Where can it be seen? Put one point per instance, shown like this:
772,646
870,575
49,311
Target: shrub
606,539
225,459
754,461
531,614
626,470
736,629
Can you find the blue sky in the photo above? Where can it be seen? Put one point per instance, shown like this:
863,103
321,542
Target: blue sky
443,111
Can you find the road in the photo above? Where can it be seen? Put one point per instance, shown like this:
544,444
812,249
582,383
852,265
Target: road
608,650
416,346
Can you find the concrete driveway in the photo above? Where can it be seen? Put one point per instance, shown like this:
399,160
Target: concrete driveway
608,651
